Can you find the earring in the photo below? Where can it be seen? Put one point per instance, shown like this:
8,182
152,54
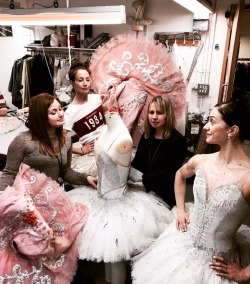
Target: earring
228,137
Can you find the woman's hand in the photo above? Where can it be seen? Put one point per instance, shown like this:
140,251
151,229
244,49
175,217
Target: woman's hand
92,181
182,220
88,147
229,270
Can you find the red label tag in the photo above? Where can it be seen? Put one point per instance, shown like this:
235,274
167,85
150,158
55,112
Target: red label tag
89,123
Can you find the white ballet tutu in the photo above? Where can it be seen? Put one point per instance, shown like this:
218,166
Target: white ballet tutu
173,259
117,229
84,163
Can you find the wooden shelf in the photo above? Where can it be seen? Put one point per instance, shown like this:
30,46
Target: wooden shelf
58,49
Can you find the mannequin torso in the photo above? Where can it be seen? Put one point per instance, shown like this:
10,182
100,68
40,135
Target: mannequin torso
115,140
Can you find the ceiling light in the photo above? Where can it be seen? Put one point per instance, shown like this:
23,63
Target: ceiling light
96,15
199,10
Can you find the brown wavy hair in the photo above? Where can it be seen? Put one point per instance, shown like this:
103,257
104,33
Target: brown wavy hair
165,105
38,123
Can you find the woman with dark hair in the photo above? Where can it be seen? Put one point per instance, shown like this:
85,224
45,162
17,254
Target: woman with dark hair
84,116
210,236
39,224
43,147
161,150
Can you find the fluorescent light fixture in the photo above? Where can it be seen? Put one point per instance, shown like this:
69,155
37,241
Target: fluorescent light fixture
96,15
199,10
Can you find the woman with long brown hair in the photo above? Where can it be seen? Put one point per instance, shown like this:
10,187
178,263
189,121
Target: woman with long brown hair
43,147
39,223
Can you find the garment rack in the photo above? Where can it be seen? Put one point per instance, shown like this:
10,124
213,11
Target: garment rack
61,50
185,38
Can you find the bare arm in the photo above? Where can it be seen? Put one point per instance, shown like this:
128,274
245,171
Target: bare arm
85,149
182,174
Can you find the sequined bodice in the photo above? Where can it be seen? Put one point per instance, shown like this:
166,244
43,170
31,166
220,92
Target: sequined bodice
112,178
217,217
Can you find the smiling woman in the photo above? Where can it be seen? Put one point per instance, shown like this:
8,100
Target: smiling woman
6,31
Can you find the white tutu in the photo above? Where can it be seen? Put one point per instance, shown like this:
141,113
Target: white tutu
117,229
178,257
84,163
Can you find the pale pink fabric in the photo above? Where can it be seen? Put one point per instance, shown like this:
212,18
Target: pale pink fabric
39,228
140,70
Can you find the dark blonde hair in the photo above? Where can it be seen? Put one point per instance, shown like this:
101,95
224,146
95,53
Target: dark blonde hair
38,123
165,106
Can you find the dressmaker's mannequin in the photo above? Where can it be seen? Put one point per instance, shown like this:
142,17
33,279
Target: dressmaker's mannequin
122,221
115,140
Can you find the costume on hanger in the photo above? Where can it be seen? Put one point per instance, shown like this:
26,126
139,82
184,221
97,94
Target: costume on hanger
41,75
122,221
140,70
30,76
15,83
184,257
39,229
138,7
87,121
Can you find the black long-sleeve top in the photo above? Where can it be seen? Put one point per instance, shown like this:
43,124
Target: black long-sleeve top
158,160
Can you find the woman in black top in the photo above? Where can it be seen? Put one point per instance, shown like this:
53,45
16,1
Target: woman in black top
161,150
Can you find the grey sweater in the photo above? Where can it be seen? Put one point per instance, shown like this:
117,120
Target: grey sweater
25,150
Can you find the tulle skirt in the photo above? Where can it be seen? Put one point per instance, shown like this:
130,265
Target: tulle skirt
84,163
117,229
173,259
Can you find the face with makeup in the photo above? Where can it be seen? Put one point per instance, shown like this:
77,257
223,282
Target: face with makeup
156,117
216,129
82,82
55,115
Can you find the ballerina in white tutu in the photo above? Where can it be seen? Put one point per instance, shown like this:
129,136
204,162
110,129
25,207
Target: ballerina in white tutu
185,251
122,221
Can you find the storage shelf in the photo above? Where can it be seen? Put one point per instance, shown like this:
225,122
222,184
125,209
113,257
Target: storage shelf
58,49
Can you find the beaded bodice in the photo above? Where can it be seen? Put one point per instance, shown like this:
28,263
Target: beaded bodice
112,178
217,217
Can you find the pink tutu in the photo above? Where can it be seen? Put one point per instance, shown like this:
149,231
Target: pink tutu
39,229
140,70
